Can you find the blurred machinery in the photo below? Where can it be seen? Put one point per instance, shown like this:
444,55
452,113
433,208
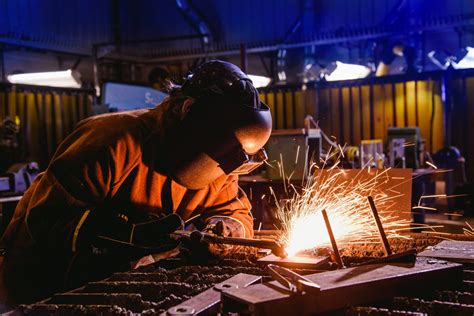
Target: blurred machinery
13,183
405,144
291,153
371,153
18,178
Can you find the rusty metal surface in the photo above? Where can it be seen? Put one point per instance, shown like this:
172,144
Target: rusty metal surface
344,287
456,251
207,301
301,262
149,290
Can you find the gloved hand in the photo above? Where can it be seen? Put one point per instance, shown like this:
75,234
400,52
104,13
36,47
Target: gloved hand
119,232
150,233
227,227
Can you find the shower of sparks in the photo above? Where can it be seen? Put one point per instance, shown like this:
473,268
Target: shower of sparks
345,201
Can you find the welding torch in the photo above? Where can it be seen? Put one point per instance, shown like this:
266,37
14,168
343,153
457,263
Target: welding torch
276,248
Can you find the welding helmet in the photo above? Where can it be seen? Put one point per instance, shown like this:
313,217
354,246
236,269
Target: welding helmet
224,130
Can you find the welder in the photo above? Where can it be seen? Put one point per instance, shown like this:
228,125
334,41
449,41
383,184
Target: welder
122,182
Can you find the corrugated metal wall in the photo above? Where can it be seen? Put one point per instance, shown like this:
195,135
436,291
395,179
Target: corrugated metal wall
365,109
46,116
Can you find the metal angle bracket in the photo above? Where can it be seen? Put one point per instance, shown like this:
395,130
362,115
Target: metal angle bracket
207,302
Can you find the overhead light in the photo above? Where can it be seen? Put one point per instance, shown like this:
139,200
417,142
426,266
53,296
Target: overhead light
341,71
62,79
259,81
466,59
282,75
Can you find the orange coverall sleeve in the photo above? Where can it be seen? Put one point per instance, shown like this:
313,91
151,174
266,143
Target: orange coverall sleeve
80,177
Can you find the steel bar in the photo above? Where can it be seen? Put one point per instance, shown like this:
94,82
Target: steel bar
456,251
341,288
292,280
207,302
378,222
333,240
274,246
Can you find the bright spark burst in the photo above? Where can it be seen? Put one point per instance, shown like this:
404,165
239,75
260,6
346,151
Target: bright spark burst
345,200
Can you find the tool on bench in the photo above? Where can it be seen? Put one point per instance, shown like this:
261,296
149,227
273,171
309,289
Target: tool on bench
293,281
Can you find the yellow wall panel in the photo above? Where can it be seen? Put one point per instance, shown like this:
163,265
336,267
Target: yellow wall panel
378,95
346,108
334,110
356,117
12,112
365,112
20,108
280,110
271,104
411,103
324,115
438,132
388,107
400,104
311,103
58,117
300,112
424,109
289,107
33,125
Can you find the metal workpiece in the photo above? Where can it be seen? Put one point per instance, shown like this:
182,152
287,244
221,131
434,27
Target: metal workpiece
208,301
297,262
343,288
380,229
450,250
337,255
292,280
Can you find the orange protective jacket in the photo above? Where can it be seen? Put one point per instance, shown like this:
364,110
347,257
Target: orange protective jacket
107,162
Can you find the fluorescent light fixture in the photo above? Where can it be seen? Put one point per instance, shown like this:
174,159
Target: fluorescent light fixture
342,71
465,62
61,79
259,81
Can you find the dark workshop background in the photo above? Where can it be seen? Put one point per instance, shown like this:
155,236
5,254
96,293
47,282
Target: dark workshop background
132,41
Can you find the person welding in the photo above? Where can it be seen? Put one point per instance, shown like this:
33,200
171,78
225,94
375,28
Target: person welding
122,182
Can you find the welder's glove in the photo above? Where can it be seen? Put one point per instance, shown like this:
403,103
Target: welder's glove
152,232
119,231
227,227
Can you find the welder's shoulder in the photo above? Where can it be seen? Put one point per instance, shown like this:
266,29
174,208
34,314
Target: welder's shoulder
106,134
111,128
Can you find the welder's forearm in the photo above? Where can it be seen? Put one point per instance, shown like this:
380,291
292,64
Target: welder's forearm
108,229
115,230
